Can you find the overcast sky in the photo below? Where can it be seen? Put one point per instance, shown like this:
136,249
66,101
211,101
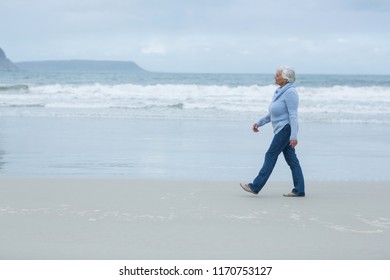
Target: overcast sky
235,36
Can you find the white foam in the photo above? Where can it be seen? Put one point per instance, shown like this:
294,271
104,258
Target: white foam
336,103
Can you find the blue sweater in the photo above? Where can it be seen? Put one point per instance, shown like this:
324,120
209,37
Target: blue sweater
283,110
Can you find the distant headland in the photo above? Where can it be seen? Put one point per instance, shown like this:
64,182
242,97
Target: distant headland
68,65
5,63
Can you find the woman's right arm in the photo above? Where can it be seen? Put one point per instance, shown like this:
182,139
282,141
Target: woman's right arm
264,120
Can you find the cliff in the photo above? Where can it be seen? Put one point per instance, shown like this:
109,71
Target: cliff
68,65
5,63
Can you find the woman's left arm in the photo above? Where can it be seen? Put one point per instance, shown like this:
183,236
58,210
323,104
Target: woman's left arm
292,102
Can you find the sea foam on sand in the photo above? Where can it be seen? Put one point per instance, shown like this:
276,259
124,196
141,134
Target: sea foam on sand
70,218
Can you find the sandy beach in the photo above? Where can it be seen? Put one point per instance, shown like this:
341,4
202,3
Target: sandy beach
74,218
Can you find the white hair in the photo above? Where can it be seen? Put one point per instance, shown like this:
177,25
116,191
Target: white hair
288,73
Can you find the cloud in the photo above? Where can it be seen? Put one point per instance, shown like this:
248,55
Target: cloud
203,35
155,48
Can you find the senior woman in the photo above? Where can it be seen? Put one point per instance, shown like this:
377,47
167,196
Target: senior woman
283,114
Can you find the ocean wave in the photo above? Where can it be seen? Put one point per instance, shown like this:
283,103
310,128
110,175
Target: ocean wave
362,104
23,105
13,87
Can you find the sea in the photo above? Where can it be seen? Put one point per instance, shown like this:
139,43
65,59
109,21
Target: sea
187,126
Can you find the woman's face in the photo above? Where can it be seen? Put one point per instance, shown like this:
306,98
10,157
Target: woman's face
279,80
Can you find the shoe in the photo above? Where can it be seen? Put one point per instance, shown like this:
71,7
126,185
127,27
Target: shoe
291,194
247,188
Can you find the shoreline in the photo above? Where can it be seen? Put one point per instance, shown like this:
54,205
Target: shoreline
85,218
185,149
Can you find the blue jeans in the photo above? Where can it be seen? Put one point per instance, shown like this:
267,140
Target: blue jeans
280,143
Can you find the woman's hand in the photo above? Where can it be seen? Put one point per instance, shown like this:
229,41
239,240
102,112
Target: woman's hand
293,143
255,127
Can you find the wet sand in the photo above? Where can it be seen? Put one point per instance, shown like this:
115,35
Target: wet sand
75,218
